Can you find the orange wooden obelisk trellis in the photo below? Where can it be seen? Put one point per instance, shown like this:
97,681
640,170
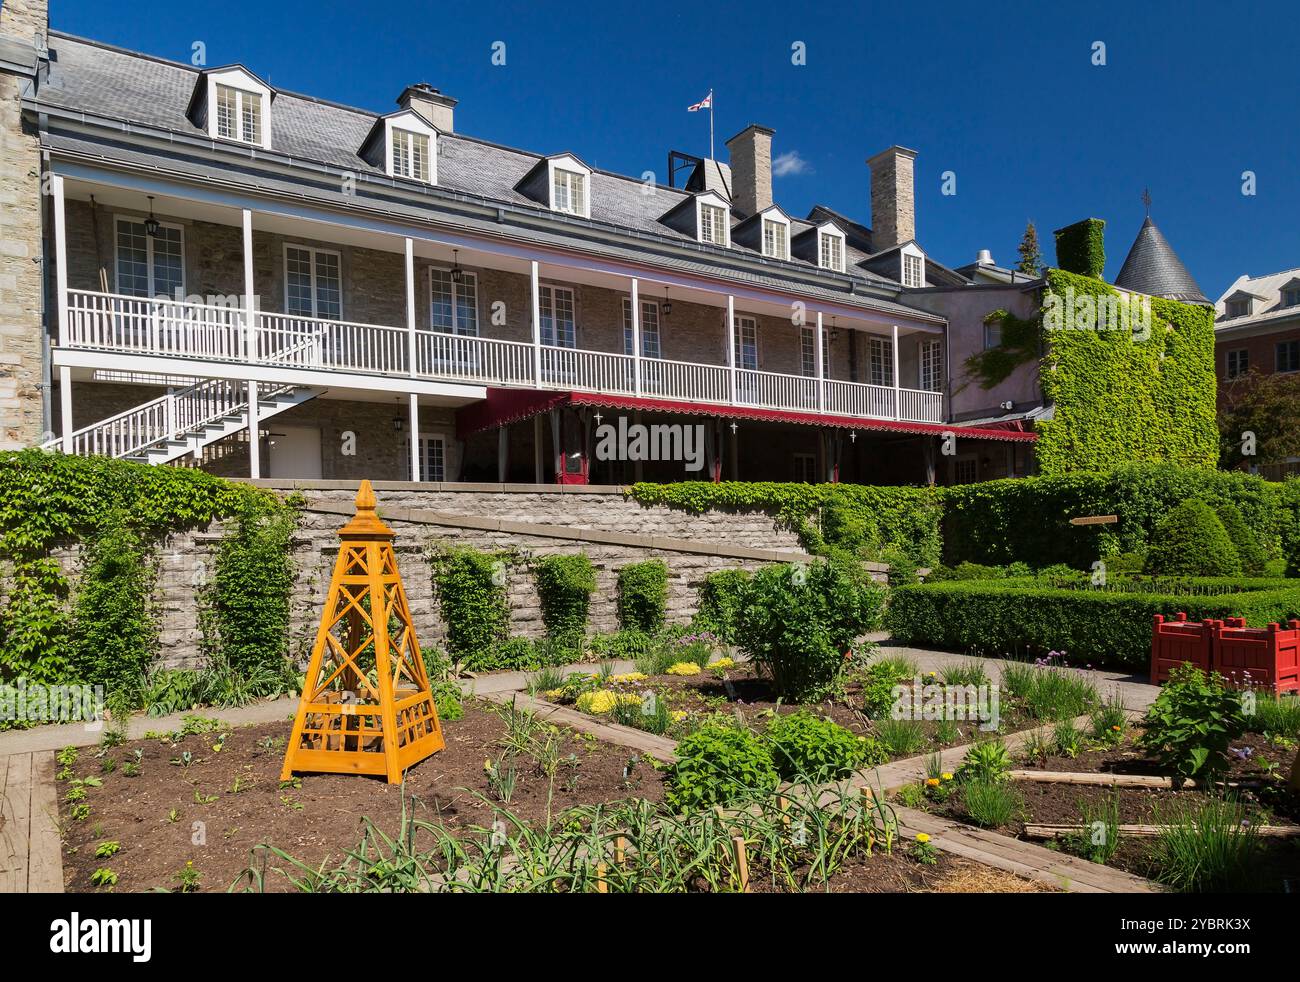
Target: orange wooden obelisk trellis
366,707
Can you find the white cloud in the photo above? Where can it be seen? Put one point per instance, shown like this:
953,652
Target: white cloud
790,164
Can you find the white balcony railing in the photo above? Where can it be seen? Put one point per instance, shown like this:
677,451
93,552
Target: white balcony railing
112,322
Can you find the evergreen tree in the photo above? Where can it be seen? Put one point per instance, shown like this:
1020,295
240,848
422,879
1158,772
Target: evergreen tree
1031,260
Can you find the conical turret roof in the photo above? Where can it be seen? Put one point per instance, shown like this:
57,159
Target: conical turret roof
1154,268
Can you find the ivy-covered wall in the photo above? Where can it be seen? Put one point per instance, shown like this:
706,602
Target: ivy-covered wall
1120,397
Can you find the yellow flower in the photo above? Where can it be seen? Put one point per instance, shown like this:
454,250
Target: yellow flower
683,668
628,677
931,782
946,776
678,715
922,838
487,766
723,662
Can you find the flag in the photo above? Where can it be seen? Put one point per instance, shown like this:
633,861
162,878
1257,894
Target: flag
705,103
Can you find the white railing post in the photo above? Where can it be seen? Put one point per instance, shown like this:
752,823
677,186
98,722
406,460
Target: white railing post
254,433
820,362
537,324
410,306
60,256
171,415
731,348
898,408
250,308
415,437
636,338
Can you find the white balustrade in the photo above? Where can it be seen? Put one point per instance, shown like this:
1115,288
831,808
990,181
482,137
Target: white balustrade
592,371
147,325
770,390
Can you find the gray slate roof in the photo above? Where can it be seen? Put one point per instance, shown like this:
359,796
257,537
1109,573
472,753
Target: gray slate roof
1152,267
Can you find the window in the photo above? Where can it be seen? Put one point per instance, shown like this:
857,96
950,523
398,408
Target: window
746,343
649,328
1238,308
410,155
808,352
804,468
431,454
311,283
776,239
1288,356
932,366
569,192
239,114
913,270
992,335
880,362
1291,297
1238,363
965,470
559,329
453,307
830,252
150,265
713,224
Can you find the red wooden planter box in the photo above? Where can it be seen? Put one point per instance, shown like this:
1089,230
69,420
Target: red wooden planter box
1177,641
1264,657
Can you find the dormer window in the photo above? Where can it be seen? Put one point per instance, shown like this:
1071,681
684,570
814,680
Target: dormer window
569,191
913,270
776,238
233,104
1291,297
1238,308
239,115
713,224
410,155
830,250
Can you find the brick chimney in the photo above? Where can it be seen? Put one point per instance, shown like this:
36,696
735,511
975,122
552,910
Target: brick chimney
751,169
893,204
435,107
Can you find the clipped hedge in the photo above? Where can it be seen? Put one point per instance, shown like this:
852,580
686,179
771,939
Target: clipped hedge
564,588
471,590
643,596
1098,627
721,595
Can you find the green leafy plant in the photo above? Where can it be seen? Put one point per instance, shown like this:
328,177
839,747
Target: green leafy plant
720,598
901,737
1251,553
717,765
808,748
104,877
1098,840
643,596
1209,846
991,804
1193,720
565,584
1191,541
987,762
471,589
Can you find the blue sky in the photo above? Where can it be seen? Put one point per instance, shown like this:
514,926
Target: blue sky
1003,95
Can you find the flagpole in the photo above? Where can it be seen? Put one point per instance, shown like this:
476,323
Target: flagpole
711,157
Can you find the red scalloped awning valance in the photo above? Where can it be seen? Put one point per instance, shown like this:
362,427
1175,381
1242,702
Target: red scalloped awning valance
505,406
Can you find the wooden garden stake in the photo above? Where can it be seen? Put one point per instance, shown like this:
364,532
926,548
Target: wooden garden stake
366,706
620,850
784,805
601,885
742,862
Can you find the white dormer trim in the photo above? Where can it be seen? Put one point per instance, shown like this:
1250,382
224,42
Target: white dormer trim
831,230
712,200
568,163
412,122
242,81
913,250
775,215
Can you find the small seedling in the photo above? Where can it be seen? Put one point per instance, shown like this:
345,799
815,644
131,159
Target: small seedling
188,877
103,877
107,849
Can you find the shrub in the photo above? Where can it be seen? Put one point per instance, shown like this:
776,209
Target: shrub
1099,627
471,591
798,622
986,763
564,587
810,749
114,638
721,595
510,655
991,804
1249,550
1192,722
902,570
624,645
878,683
643,596
1191,541
719,764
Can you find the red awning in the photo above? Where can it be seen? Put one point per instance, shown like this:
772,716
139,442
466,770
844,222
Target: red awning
505,406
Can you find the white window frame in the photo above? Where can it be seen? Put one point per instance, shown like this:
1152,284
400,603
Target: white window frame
649,314
424,436
914,281
244,83
929,361
1229,362
149,242
782,224
880,361
456,327
569,164
315,297
409,121
808,352
992,335
546,294
746,324
712,201
830,233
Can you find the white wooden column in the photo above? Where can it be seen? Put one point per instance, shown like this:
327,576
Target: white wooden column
898,406
65,406
537,323
819,361
61,288
250,305
415,437
636,338
254,433
410,306
731,345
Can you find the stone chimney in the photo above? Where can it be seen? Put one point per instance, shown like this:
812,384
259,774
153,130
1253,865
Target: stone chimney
437,108
751,169
893,204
